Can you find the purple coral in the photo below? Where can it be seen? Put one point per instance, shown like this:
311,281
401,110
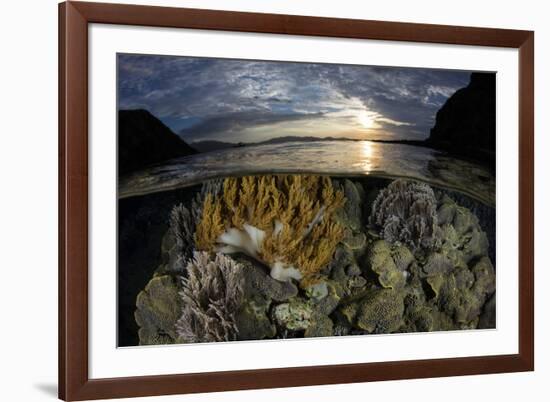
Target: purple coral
405,212
212,294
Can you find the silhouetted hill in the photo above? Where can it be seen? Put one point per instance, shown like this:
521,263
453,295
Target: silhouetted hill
143,140
466,123
292,138
211,145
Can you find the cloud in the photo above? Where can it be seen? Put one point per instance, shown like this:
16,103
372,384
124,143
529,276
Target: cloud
229,124
209,98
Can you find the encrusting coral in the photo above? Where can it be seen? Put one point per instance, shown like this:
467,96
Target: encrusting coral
157,310
283,221
211,295
405,211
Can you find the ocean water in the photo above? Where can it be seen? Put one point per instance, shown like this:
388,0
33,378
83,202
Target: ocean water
335,158
146,197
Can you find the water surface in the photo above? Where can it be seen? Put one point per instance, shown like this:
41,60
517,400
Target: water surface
335,158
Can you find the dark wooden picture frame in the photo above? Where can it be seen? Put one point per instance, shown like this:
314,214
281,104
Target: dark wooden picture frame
74,18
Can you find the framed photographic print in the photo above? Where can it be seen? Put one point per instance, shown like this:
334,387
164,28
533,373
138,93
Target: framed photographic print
259,200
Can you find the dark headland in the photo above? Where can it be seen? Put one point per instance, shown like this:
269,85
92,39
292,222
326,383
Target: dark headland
466,124
144,140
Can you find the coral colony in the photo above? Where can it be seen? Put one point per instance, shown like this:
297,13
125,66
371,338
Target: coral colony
283,222
212,294
286,256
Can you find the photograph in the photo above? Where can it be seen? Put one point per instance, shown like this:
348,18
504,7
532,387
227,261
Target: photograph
268,200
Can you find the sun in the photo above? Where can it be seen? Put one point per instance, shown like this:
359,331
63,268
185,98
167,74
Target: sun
366,120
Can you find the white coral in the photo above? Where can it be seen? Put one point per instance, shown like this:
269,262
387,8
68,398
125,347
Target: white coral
212,295
249,241
405,212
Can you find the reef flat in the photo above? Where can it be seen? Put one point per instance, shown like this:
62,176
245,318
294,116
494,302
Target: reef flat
288,256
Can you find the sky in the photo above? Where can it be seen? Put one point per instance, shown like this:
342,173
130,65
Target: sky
252,101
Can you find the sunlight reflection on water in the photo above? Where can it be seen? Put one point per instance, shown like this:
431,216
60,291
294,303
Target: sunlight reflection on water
338,158
366,154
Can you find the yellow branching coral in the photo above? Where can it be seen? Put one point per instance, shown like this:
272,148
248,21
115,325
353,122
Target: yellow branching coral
211,225
285,221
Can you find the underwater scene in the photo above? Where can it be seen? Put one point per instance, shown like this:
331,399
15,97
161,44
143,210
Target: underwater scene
254,205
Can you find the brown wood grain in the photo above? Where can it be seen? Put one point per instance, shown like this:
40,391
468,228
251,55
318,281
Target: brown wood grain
527,201
74,382
73,201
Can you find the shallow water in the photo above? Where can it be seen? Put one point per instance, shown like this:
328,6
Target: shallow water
335,158
143,223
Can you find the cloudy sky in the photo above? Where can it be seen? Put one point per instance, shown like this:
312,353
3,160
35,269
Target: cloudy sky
249,101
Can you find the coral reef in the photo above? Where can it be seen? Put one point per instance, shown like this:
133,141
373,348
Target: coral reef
158,307
380,311
282,221
294,316
399,258
211,296
460,232
462,293
487,319
405,211
381,257
260,293
182,229
351,215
